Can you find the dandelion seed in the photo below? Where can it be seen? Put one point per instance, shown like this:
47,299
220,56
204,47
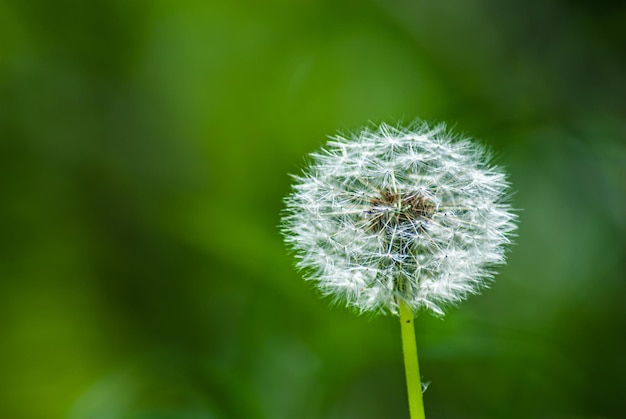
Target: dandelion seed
394,214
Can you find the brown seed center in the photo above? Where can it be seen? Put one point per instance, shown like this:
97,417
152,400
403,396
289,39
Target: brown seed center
391,210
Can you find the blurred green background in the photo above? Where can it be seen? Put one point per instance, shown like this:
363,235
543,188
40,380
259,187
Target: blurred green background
145,148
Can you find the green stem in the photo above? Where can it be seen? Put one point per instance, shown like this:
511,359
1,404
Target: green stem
411,366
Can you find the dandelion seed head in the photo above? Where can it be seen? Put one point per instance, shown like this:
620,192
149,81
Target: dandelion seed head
399,213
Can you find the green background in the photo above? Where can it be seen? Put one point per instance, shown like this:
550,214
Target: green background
145,148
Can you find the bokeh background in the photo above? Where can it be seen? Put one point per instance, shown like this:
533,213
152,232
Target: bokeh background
145,148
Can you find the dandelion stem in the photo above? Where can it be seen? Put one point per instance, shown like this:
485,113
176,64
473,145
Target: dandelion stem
411,366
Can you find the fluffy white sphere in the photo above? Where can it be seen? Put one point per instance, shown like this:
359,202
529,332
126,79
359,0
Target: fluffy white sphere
399,213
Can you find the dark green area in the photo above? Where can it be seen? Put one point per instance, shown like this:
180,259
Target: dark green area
144,153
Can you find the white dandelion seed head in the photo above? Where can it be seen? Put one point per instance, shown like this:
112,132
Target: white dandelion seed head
393,213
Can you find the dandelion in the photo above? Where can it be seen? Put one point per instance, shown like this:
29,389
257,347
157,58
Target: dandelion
393,214
400,220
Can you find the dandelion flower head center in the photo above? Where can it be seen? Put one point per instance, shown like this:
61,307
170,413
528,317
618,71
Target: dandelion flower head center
392,210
